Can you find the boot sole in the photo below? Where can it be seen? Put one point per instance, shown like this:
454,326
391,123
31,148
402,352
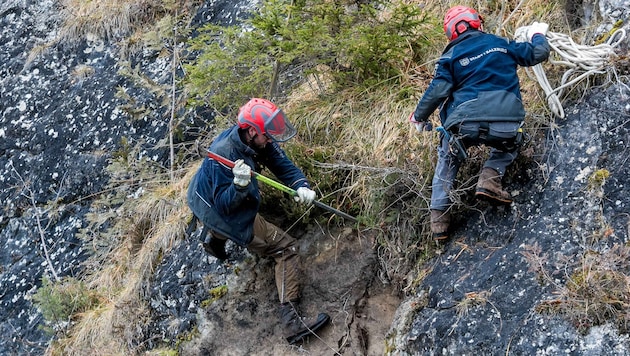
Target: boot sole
322,319
486,195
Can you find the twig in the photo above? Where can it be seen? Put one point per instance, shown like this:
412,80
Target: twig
37,214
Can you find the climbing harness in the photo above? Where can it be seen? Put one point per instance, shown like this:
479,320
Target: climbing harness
583,61
455,143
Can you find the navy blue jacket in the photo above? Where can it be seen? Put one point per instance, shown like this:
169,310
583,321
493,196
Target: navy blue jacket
230,209
475,79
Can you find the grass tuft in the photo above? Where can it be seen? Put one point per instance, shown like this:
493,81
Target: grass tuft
596,291
106,20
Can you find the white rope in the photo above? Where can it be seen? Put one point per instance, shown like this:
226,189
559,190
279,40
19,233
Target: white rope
583,61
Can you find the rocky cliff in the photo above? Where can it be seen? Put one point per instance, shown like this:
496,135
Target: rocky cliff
535,279
65,114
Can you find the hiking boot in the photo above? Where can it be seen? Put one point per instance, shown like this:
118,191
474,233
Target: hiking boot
216,248
439,224
295,328
489,188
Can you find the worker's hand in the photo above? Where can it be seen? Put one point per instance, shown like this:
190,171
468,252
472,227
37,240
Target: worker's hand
420,125
242,173
304,196
423,126
537,27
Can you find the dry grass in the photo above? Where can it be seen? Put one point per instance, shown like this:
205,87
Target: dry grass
596,290
112,20
107,20
35,52
131,24
386,166
80,73
157,221
471,299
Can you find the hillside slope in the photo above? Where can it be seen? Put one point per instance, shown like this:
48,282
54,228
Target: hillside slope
83,156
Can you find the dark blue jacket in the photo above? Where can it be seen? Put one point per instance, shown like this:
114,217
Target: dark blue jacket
475,79
225,207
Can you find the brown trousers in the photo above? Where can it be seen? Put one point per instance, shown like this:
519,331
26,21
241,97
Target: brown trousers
271,241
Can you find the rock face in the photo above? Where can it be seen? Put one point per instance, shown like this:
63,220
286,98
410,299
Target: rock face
488,292
49,154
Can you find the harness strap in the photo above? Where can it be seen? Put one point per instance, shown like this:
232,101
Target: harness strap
204,234
192,225
484,129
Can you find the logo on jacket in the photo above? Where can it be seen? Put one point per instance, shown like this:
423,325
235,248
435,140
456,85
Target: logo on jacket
466,61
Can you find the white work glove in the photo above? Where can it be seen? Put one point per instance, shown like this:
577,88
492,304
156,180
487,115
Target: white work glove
520,35
304,196
420,126
537,27
242,173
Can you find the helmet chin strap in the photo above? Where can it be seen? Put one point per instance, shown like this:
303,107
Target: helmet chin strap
250,138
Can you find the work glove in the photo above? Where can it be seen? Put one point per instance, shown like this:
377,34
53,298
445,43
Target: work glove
537,27
420,125
242,173
423,126
304,196
520,35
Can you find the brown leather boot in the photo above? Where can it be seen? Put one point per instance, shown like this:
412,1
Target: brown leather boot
439,224
489,188
295,329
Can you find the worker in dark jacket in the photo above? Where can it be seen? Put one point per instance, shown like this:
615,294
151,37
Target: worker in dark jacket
227,202
477,89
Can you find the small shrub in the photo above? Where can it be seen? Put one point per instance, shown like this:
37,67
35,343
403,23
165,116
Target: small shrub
365,44
59,302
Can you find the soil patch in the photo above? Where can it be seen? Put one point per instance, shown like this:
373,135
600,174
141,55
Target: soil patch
340,271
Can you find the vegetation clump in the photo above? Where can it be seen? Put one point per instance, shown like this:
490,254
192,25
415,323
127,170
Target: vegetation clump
598,178
342,44
60,302
215,294
596,291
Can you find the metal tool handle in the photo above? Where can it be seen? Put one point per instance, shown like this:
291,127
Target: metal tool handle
281,187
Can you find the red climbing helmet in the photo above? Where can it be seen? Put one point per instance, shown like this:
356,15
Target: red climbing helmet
266,118
458,19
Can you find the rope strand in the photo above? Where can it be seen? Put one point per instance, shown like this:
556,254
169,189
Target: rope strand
583,61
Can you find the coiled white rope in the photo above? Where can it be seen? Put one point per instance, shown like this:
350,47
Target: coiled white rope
583,61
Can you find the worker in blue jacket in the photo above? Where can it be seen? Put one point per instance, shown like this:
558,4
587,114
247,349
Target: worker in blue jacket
476,87
227,200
